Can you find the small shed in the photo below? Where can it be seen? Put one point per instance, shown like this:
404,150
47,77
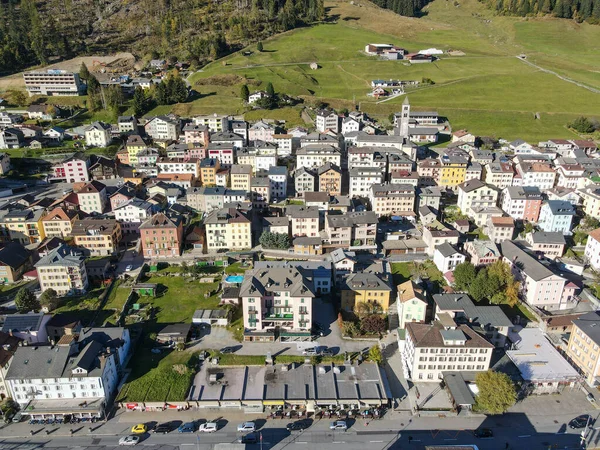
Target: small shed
145,289
174,333
458,387
213,317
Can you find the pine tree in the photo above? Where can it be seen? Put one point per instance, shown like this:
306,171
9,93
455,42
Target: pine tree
139,102
270,89
84,73
259,46
244,92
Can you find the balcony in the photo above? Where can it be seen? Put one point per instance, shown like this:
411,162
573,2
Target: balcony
279,317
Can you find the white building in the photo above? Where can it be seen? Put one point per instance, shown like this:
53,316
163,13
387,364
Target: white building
446,257
98,135
53,82
538,174
317,155
361,180
132,213
163,128
278,179
214,122
284,144
592,249
349,125
327,120
556,216
179,166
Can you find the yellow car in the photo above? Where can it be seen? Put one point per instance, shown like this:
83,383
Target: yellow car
139,428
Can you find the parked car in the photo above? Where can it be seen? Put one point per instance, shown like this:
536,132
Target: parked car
483,433
311,351
140,428
250,438
590,398
188,427
340,425
18,417
246,426
208,427
299,425
129,268
164,428
326,352
129,440
580,421
226,350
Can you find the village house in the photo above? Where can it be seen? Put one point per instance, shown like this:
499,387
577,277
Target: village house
540,286
97,237
73,169
92,198
63,269
260,189
353,230
127,125
224,152
103,169
98,135
475,193
538,174
59,222
583,349
569,175
551,245
279,225
305,245
261,131
304,220
195,134
241,176
15,260
161,235
436,234
330,179
482,253
522,202
500,228
163,128
411,304
313,156
304,181
327,119
132,213
591,200
556,216
499,174
214,122
592,249
179,166
278,179
208,171
446,257
371,290
134,145
363,178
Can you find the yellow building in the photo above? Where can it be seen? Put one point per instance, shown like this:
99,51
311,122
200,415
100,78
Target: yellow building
228,228
97,237
59,222
208,171
584,346
369,288
135,144
23,226
453,170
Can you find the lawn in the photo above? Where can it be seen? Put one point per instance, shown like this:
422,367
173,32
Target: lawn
118,297
401,272
178,298
236,268
84,306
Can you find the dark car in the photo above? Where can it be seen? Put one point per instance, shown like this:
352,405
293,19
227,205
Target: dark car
326,352
250,438
580,421
226,350
299,425
483,433
188,427
163,428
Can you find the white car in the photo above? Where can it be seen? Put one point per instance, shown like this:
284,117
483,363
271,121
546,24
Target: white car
246,427
339,425
129,440
208,427
129,268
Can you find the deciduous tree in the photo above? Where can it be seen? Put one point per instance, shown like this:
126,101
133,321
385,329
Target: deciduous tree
25,301
464,275
496,392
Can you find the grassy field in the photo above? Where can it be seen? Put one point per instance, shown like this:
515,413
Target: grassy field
178,298
488,91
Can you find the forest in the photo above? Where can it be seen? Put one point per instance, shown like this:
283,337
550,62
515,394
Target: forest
409,8
38,32
579,10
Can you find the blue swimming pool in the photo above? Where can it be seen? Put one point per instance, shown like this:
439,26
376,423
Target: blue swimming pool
234,279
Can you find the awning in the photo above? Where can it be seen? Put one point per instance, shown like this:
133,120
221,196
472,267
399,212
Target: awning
273,402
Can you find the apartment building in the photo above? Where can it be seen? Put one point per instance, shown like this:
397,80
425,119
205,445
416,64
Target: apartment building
98,135
228,138
392,199
584,346
97,237
278,298
482,253
362,178
214,122
539,174
261,131
134,145
353,230
132,213
429,196
551,245
318,139
475,193
260,188
330,179
241,176
429,171
24,226
92,198
305,180
53,82
452,171
556,216
163,128
592,249
569,175
223,152
436,234
446,257
500,228
195,134
371,289
313,156
304,220
278,178
228,228
179,166
499,174
591,200
327,120
162,235
74,169
540,286
63,269
522,202
208,171
59,222
284,144
432,349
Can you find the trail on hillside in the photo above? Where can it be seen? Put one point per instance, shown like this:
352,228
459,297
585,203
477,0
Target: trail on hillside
562,77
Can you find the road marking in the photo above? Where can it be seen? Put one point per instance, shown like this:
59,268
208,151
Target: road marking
338,442
524,436
301,442
376,441
183,444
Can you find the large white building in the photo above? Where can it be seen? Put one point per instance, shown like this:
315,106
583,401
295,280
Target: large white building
63,269
538,174
556,216
132,213
592,249
362,178
317,155
98,135
432,349
327,120
53,82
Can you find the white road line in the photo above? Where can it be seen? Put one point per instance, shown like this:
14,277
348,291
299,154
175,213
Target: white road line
338,442
524,436
378,442
182,444
301,442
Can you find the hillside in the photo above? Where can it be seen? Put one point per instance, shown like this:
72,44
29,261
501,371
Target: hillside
38,32
488,90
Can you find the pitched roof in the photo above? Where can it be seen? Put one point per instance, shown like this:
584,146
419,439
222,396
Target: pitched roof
471,185
527,263
446,249
14,255
59,213
23,322
92,186
162,220
62,256
409,291
431,335
366,281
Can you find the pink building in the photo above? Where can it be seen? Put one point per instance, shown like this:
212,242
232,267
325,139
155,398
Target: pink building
74,169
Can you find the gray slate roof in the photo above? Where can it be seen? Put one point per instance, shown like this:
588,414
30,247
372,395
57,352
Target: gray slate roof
527,263
23,322
590,324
